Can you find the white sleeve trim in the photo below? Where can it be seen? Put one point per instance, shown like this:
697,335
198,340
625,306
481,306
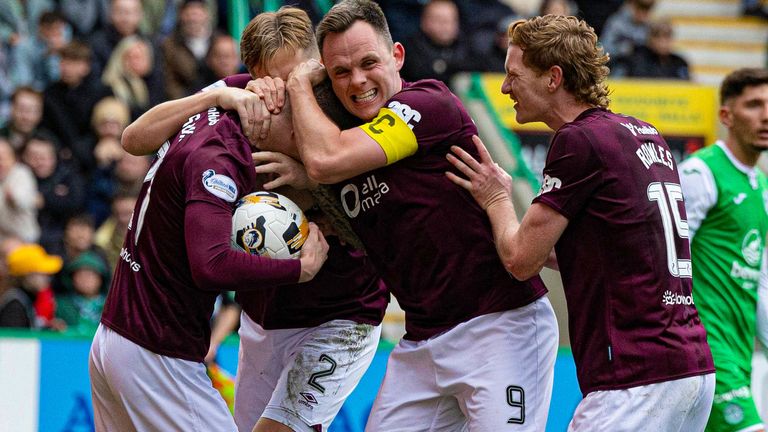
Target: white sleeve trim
699,190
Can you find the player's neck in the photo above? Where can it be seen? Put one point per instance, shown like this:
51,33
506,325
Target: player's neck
742,152
563,113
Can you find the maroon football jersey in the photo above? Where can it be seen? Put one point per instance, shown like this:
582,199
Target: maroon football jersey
177,255
624,257
431,240
348,286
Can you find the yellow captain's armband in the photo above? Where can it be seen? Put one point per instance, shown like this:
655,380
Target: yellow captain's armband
392,134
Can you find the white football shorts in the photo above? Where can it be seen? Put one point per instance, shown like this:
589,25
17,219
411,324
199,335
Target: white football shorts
491,373
134,389
680,405
300,377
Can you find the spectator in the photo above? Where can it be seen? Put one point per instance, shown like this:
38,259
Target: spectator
26,113
86,279
18,19
655,59
86,16
79,232
495,54
15,309
129,73
61,190
627,28
18,190
102,149
160,16
223,58
124,18
558,7
127,174
31,268
36,59
479,19
111,234
437,50
68,103
184,51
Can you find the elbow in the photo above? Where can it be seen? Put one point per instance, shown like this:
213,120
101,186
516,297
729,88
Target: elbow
129,140
322,170
522,269
205,278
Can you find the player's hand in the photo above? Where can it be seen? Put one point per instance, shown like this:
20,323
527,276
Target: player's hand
313,253
485,180
284,170
312,72
255,119
270,90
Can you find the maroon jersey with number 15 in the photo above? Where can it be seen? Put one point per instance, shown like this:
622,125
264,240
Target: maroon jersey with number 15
625,256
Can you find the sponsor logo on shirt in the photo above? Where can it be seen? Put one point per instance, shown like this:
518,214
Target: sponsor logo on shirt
189,127
364,198
220,185
738,199
409,115
126,256
670,299
549,184
213,116
752,247
651,153
640,130
739,393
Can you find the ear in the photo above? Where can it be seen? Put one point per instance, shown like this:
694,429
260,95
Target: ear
726,117
555,74
398,52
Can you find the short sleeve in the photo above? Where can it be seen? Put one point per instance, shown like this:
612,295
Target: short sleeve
572,173
213,175
699,190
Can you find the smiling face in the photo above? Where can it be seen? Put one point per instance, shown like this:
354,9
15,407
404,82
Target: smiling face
364,70
525,87
746,117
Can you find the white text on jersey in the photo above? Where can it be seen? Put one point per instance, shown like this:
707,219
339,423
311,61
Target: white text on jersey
650,153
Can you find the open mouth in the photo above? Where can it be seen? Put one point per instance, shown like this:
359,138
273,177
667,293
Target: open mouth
365,97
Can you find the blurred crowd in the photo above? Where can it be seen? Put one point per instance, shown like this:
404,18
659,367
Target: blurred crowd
75,73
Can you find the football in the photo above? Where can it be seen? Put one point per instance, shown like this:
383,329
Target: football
269,224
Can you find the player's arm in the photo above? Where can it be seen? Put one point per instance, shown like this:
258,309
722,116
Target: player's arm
524,247
699,192
329,154
148,132
217,266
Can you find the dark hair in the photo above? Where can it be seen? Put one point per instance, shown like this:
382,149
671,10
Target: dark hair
344,14
81,219
51,17
734,83
76,50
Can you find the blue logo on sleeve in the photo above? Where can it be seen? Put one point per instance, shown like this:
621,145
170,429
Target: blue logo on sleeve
220,185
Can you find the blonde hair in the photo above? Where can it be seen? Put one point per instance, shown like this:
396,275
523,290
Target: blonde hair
267,33
128,87
570,43
110,108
